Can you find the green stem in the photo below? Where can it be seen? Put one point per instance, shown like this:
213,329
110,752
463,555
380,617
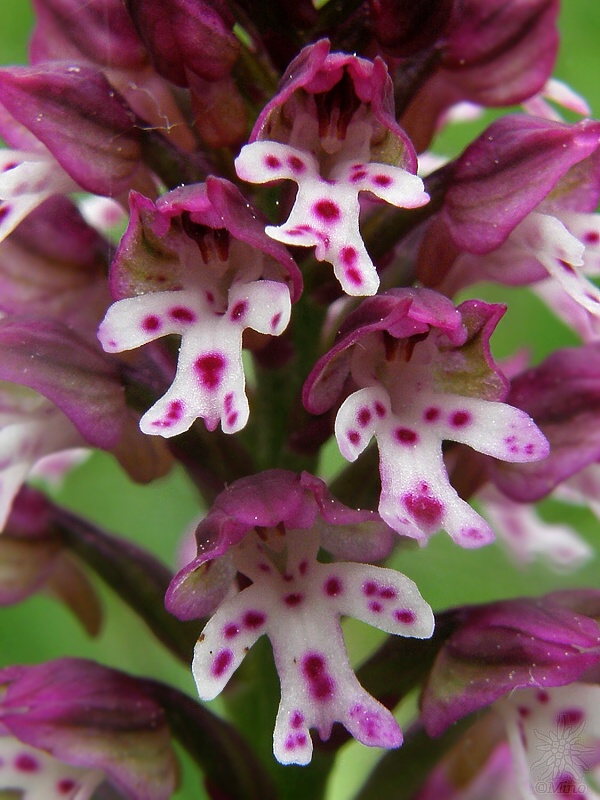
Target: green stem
134,574
231,771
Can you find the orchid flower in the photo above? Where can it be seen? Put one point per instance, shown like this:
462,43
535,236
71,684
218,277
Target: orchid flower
207,281
421,380
268,528
330,129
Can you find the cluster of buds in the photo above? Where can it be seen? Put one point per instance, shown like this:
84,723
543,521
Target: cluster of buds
178,181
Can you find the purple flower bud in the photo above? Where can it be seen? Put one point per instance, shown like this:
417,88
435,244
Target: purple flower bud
561,394
510,644
92,718
186,36
76,113
99,31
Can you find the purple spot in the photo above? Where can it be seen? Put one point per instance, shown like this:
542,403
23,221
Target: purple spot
460,418
4,210
293,599
376,607
175,410
151,323
566,266
238,310
293,741
303,567
565,784
348,255
405,436
431,414
369,588
264,567
296,164
380,410
182,314
364,417
210,368
228,402
10,165
542,696
221,663
354,276
591,237
570,717
272,162
65,786
368,721
254,619
472,533
382,180
275,320
358,175
210,297
26,763
524,711
387,593
297,719
353,437
327,210
231,630
333,587
320,683
426,510
404,615
529,448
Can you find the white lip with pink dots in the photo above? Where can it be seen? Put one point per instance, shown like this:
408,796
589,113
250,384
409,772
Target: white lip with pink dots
39,776
297,602
327,209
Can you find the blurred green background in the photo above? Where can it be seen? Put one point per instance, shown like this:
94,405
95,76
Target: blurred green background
157,515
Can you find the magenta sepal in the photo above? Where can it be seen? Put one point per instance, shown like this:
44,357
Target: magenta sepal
54,265
544,232
48,357
75,112
89,716
315,71
562,395
488,196
403,28
491,53
185,36
98,30
498,647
